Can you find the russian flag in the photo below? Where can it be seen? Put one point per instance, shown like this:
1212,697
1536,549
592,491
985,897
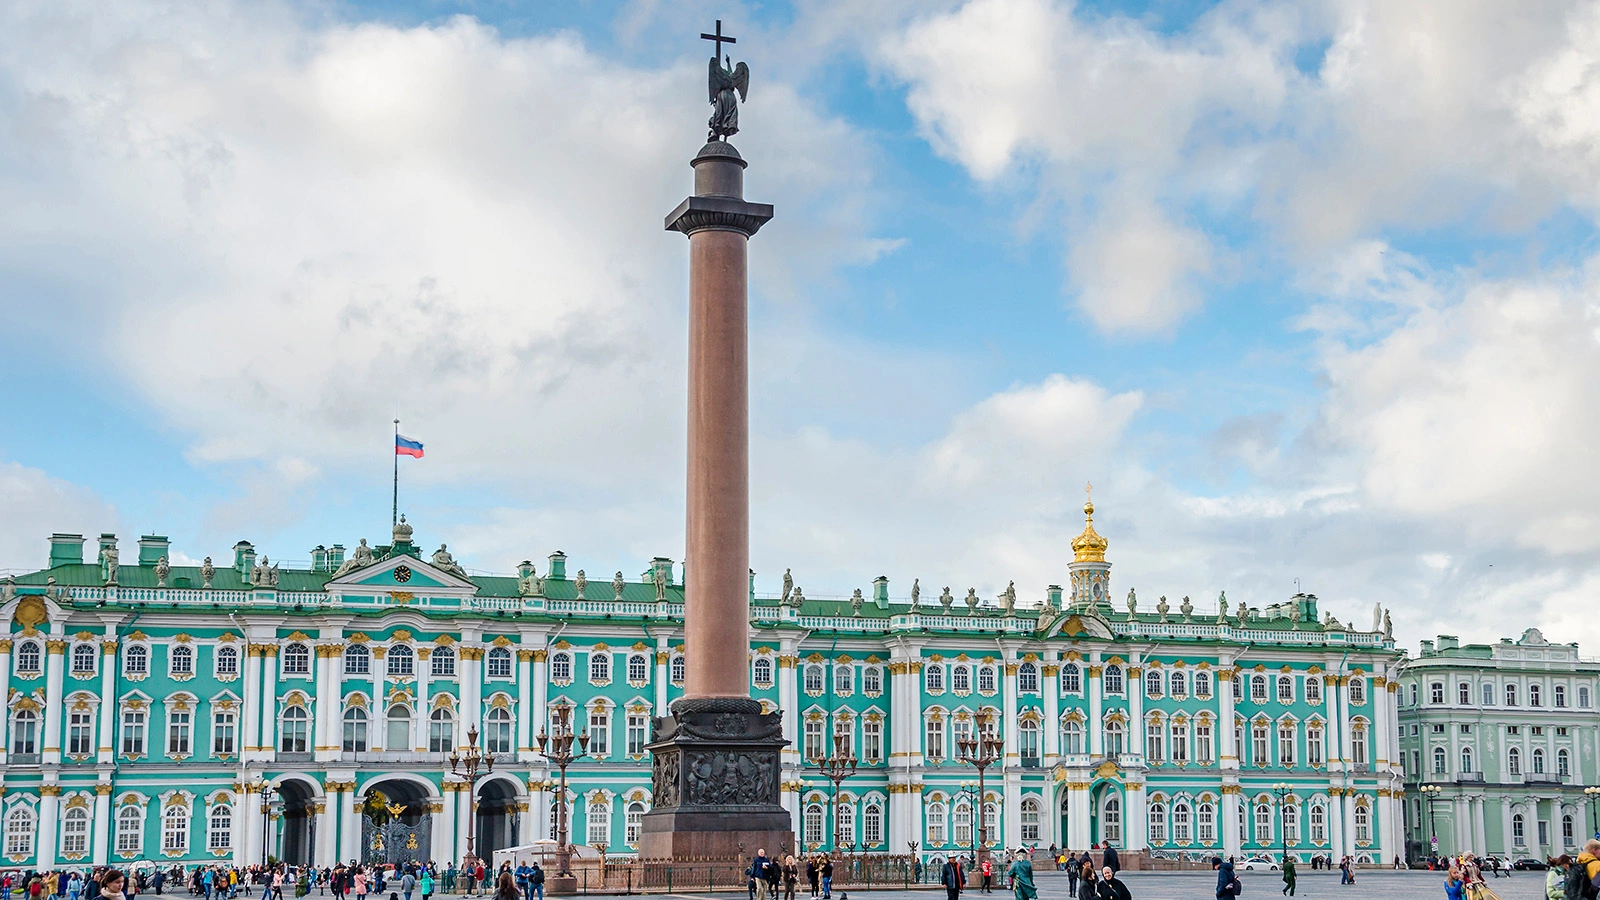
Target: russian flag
404,446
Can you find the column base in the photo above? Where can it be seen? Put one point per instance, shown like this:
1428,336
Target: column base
561,885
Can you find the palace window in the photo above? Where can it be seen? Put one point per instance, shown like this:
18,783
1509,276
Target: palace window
497,730
762,672
1028,742
871,741
83,659
1488,694
25,732
960,679
1028,678
29,659
442,663
219,834
357,660
1258,688
1286,746
813,740
1319,825
1563,763
1238,688
1263,824
1583,697
402,660
227,662
814,679
1202,743
1285,689
599,668
1436,692
933,744
678,669
1111,819
1260,752
845,826
1535,697
1178,686
175,830
1464,693
293,730
1560,696
442,731
986,679
638,669
638,733
75,831
934,676
1206,819
961,824
1314,690
296,659
80,732
961,730
1438,761
843,734
633,824
1152,741
355,730
1567,832
182,660
1113,679
1071,737
1514,760
1152,682
1466,760
871,681
1180,822
872,823
179,725
1314,744
1519,833
599,732
135,660
1114,738
599,821
1538,760
133,723
1071,679
1291,824
813,824
1157,815
130,830
20,828
1511,695
497,664
1180,743
843,680
561,668
1202,685
1358,743
1363,824
1358,691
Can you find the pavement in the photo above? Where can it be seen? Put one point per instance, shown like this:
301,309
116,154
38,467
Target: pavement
1385,884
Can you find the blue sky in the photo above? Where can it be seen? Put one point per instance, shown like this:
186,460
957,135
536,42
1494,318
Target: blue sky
1306,289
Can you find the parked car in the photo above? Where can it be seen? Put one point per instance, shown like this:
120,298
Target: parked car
1252,863
1523,865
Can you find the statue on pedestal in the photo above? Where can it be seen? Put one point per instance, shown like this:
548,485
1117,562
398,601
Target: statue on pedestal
162,571
207,572
916,592
788,586
580,583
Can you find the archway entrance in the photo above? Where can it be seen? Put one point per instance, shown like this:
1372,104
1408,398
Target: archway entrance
498,818
395,823
1066,830
298,821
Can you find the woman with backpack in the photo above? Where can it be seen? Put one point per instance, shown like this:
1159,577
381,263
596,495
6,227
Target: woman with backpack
1228,885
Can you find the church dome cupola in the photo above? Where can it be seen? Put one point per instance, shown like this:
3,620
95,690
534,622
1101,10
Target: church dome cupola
1089,546
1089,573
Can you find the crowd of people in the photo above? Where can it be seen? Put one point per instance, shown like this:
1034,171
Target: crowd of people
353,881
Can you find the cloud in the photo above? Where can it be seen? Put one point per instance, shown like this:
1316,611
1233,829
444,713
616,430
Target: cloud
1134,270
33,498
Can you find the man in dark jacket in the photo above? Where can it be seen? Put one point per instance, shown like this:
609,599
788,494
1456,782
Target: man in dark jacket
1225,878
1109,858
953,879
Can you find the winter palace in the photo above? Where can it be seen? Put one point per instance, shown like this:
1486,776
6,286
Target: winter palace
227,710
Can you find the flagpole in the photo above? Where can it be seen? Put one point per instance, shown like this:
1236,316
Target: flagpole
394,512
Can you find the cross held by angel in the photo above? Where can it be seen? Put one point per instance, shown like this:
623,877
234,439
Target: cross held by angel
724,82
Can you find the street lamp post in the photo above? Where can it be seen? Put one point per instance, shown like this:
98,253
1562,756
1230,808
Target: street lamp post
1283,789
983,749
1593,793
1431,793
266,816
838,766
466,766
557,748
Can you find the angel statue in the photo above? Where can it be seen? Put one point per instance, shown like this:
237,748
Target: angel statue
724,82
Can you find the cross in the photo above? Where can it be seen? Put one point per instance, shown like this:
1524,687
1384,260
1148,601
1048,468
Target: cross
1088,490
719,39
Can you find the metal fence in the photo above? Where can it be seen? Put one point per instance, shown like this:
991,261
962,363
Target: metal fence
652,876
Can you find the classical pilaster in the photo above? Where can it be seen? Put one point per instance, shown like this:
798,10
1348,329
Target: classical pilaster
108,703
471,674
442,811
1135,686
378,735
100,852
349,825
541,693
1010,818
1050,684
1136,830
789,699
49,817
419,722
269,701
462,802
55,700
5,688
250,713
1078,813
1480,835
326,811
525,707
329,741
1096,724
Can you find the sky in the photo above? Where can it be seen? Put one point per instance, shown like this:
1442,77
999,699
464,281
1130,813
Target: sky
1307,290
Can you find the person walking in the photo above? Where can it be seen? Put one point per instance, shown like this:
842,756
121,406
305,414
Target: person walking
827,878
1288,875
1088,885
791,877
758,871
506,888
1455,887
1070,863
813,873
953,879
408,883
1228,886
1109,860
1021,875
986,868
426,883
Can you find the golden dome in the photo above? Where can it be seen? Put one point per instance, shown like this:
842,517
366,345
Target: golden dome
1089,546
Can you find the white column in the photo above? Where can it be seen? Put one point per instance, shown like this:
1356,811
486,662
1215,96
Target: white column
525,708
1480,835
55,700
525,822
49,816
1008,693
788,696
463,807
378,736
541,693
1009,820
100,854
1229,757
1229,823
1462,825
1051,684
915,733
1096,725
326,830
1333,736
250,712
541,815
1507,839
1349,815
1382,741
108,704
1136,831
471,674
269,702
444,828
1135,686
1342,696
329,702
1337,845
419,722
350,826
1078,814
5,690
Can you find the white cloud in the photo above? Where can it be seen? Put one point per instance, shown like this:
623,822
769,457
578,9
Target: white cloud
1134,270
37,504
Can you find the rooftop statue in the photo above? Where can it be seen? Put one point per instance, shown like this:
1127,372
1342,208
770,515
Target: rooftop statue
916,592
723,83
788,585
581,583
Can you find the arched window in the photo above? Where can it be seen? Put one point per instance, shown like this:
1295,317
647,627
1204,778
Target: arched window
227,660
1178,685
135,660
1563,763
75,831
961,823
1538,760
1583,697
1028,741
175,830
986,679
355,730
1567,832
1438,761
25,732
1358,742
1314,690
845,825
599,667
1514,760
1153,682
813,823
1207,820
1466,760
1535,695
1202,684
1111,819
1113,679
498,663
497,730
397,733
1258,688
1071,679
934,676
1238,688
1028,678
561,668
1291,824
762,672
638,669
1511,695
219,833
872,824
960,679
677,669
1285,689
1263,824
1363,824
1358,691
20,826
1114,738
296,659
1519,832
83,659
357,660
441,731
599,821
442,662
814,679
1559,694
1436,692
1464,693
1157,815
872,681
843,680
182,660
1180,822
635,822
29,659
935,822
402,660
1319,824
292,730
130,830
1071,737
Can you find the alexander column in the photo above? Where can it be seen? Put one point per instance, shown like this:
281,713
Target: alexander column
715,756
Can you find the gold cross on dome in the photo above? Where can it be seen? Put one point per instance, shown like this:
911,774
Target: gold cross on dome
1088,491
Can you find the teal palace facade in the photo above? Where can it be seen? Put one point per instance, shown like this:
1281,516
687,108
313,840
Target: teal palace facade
149,705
